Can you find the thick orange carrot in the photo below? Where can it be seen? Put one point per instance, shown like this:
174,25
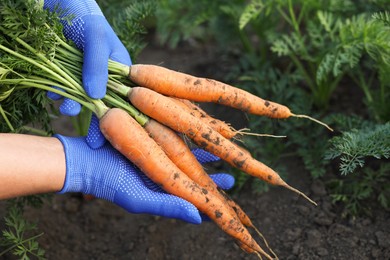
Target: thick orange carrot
131,139
181,85
167,112
180,154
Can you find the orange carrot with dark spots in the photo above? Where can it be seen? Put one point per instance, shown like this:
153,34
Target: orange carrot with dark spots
222,127
131,139
181,85
180,154
165,111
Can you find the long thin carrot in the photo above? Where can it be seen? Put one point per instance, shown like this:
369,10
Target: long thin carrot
180,154
222,127
129,138
181,85
164,110
225,129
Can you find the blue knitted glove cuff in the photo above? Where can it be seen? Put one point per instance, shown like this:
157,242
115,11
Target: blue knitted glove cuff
81,162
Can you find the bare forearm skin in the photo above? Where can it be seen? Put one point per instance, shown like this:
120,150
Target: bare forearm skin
30,165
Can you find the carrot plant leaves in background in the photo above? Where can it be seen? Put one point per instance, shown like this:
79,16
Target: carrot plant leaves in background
129,20
308,54
354,147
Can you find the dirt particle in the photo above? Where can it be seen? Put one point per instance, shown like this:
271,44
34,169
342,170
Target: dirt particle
206,136
239,163
218,214
198,82
187,80
204,191
266,103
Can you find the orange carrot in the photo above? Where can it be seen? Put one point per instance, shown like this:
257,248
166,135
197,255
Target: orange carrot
178,152
167,112
222,127
185,160
181,85
130,138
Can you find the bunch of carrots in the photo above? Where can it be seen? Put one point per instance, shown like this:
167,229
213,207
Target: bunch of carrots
144,115
166,97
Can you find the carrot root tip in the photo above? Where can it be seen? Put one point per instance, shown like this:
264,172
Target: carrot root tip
300,193
258,255
265,241
243,131
314,120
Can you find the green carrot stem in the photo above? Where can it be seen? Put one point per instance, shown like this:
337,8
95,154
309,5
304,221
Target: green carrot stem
50,64
37,64
136,114
118,68
83,102
67,46
118,87
2,112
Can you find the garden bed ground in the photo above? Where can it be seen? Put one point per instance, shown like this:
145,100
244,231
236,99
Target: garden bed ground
78,229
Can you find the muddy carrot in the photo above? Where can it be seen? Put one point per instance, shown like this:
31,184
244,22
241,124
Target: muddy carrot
181,85
222,127
180,154
129,138
165,111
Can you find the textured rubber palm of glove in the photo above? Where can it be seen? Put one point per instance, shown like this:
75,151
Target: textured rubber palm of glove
92,34
106,174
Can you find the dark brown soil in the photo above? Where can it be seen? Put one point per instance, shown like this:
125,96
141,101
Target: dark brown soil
78,229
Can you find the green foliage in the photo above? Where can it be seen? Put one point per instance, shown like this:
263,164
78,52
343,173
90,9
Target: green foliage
382,16
25,20
31,41
20,237
251,11
324,41
300,53
362,152
200,20
355,146
128,21
27,107
360,193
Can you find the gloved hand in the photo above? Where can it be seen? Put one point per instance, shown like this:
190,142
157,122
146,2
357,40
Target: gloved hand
93,35
106,174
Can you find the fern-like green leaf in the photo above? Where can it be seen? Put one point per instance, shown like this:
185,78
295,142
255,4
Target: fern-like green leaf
382,16
251,11
280,47
355,146
327,20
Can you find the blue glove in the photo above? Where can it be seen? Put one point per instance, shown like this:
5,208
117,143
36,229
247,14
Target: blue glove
106,174
93,35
